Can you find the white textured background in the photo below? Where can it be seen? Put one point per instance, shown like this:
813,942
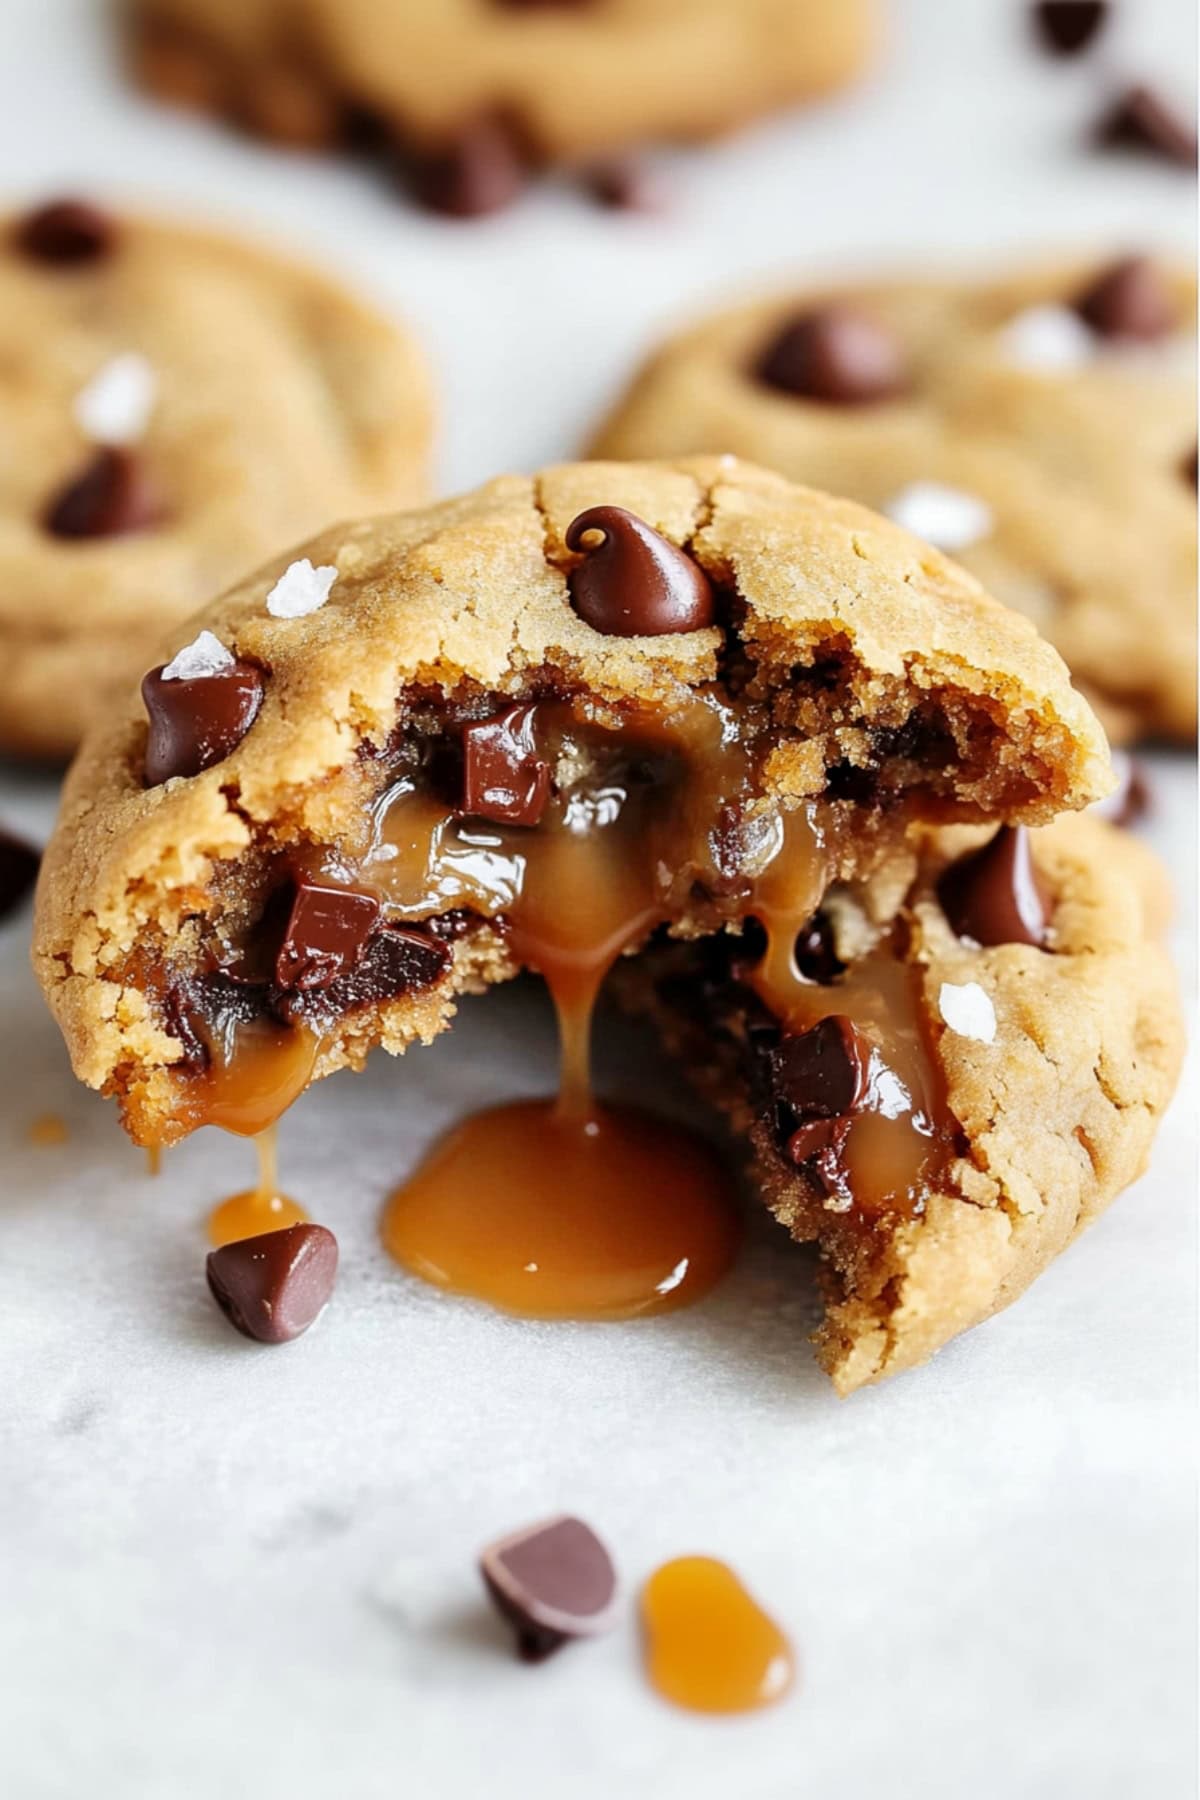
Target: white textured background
230,1572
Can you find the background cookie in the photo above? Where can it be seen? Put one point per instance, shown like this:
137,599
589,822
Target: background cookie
1041,429
173,406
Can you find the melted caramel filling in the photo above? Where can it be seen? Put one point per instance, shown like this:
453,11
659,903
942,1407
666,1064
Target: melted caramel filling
709,1646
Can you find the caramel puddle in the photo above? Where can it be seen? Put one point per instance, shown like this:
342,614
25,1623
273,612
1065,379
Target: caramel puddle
709,1646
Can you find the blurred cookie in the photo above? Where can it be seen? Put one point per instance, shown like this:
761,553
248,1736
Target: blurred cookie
1041,429
473,94
174,406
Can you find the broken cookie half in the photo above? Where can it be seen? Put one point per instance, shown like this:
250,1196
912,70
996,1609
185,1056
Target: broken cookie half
767,749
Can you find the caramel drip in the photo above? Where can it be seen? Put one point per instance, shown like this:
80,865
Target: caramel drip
260,1208
254,1074
709,1645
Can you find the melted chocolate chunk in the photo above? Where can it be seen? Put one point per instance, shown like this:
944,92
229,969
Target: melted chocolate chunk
1129,299
504,779
398,960
19,863
109,497
551,1582
823,1073
481,170
995,895
634,583
1143,122
820,1147
1065,27
835,355
816,957
273,1287
198,722
326,934
66,233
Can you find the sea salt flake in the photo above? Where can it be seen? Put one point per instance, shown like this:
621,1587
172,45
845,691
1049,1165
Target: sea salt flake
945,517
968,1011
205,655
116,404
300,590
1048,340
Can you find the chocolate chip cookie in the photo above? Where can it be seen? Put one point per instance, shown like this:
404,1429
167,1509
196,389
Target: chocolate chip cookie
1041,429
174,406
689,706
467,97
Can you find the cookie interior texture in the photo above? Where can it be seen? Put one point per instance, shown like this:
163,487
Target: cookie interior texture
1087,467
279,400
857,689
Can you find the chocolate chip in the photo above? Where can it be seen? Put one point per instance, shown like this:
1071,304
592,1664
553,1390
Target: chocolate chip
397,960
835,355
624,185
19,863
551,1581
198,722
815,954
273,1287
634,583
326,933
995,895
1188,467
1130,800
108,497
820,1147
822,1073
1129,299
1141,121
1065,27
481,170
504,779
66,233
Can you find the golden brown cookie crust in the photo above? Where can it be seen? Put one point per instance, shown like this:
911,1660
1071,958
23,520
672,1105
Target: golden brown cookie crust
1085,471
281,401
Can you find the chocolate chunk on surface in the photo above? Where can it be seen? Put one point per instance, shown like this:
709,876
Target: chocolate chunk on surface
108,497
196,723
272,1288
1129,299
503,777
551,1581
1065,27
481,170
326,934
823,1073
835,355
1142,121
994,895
635,583
67,233
19,863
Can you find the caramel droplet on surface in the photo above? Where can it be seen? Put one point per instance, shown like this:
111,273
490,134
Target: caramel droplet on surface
47,1130
635,583
709,1645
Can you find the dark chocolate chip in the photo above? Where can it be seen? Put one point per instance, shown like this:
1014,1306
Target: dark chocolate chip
624,185
398,959
635,583
198,722
67,233
274,1286
326,934
835,355
551,1581
995,895
481,170
108,497
1142,121
504,779
19,863
1188,467
1065,27
1130,800
820,1147
1129,299
823,1073
816,957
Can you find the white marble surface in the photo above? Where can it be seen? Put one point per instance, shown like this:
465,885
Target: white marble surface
238,1572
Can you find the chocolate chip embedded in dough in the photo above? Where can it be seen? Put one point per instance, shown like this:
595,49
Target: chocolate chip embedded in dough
198,722
504,779
822,1073
326,934
1129,299
66,234
108,497
635,583
995,895
835,355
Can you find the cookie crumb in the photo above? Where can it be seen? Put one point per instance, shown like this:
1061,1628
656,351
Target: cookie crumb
301,590
945,517
968,1011
205,655
116,404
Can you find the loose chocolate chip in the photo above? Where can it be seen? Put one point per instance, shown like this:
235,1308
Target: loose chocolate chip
1065,27
995,895
66,233
551,1582
18,871
108,497
326,934
504,779
481,170
196,723
1141,121
1129,299
623,185
634,583
816,957
836,355
274,1286
823,1073
397,960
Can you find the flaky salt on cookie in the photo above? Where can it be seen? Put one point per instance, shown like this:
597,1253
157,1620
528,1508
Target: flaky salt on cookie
540,724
